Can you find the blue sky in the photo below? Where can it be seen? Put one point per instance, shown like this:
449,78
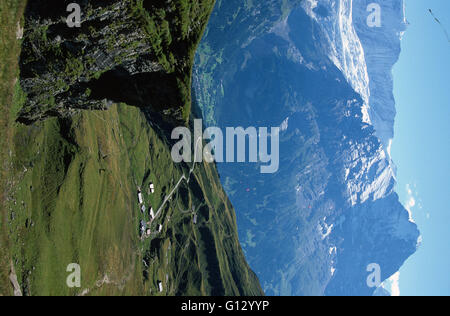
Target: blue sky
421,147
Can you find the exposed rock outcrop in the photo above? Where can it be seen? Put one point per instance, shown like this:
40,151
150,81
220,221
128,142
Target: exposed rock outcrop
120,53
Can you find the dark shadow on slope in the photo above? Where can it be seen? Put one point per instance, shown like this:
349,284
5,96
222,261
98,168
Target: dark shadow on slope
118,85
212,262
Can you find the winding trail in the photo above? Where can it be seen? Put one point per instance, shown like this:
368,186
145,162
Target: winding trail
182,178
14,281
106,280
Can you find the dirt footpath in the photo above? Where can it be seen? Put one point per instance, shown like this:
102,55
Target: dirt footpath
14,282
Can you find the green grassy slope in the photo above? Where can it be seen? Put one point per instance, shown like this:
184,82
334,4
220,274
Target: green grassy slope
75,201
71,197
10,16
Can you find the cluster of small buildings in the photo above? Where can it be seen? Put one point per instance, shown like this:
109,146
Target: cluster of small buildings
145,230
144,227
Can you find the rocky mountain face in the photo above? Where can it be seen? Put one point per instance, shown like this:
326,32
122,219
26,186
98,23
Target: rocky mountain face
90,177
123,50
381,51
314,227
364,53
